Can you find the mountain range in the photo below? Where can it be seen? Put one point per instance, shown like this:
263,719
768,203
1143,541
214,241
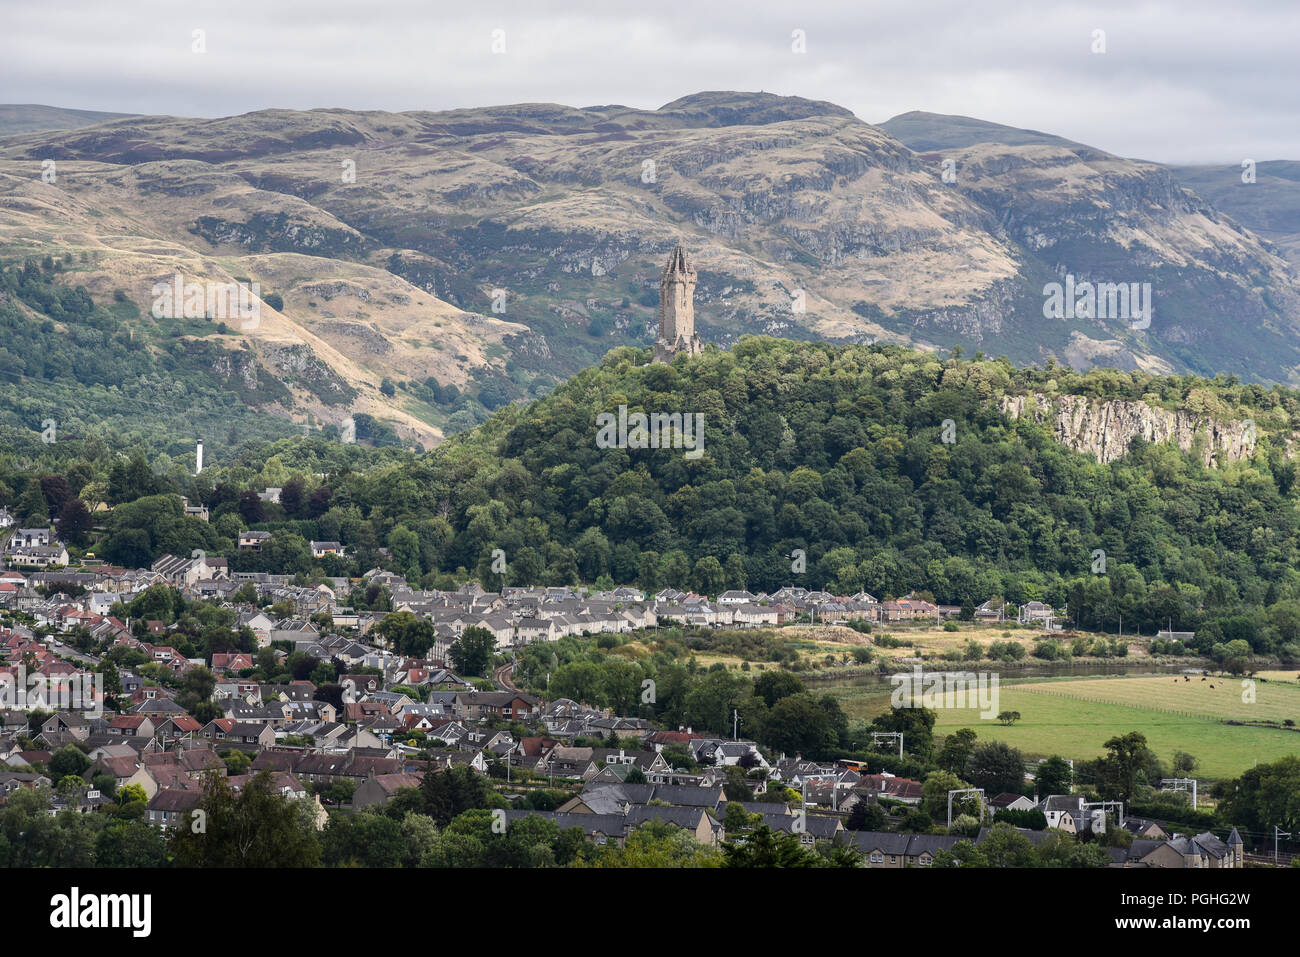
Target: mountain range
433,265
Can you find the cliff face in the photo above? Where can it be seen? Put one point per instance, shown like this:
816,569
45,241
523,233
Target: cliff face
1105,429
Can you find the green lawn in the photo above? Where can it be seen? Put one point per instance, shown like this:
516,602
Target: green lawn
1074,717
1233,699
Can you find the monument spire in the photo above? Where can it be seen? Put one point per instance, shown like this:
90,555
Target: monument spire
677,308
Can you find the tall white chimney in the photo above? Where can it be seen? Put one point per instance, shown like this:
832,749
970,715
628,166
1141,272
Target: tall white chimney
198,459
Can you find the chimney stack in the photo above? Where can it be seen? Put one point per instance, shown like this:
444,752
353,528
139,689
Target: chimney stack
198,459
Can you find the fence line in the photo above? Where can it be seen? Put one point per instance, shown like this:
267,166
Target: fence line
1144,707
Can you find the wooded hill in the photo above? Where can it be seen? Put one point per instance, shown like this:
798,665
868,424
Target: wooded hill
838,451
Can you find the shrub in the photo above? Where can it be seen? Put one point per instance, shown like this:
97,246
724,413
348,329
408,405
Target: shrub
1050,650
1035,820
1006,651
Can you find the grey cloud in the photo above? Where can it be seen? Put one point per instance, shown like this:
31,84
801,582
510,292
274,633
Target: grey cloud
1195,81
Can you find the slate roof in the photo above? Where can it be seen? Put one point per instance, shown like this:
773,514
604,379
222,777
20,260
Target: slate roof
904,845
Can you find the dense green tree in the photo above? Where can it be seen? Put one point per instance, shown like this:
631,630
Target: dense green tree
709,578
772,686
197,686
131,844
799,725
471,654
962,854
1060,849
956,750
366,839
448,794
866,816
31,837
934,799
1006,847
1127,763
996,767
916,725
1264,796
33,510
1054,776
68,760
255,827
764,847
406,634
237,762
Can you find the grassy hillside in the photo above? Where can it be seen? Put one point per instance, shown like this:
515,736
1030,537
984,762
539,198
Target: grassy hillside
442,264
103,369
32,117
926,132
1268,207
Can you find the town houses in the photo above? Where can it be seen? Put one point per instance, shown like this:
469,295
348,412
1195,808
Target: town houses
514,616
358,722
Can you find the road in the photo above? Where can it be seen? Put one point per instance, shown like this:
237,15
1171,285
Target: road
72,654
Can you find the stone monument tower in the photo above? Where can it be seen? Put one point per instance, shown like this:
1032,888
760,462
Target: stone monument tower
677,309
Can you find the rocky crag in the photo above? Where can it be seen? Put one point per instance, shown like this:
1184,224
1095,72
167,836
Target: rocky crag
1106,429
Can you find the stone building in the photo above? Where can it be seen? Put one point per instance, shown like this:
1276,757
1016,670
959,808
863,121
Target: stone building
677,308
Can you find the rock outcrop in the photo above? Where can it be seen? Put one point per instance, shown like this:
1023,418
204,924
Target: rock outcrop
1105,429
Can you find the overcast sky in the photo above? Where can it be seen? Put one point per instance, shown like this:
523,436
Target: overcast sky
1179,82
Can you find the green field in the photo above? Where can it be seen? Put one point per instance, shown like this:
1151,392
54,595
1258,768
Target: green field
1074,717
